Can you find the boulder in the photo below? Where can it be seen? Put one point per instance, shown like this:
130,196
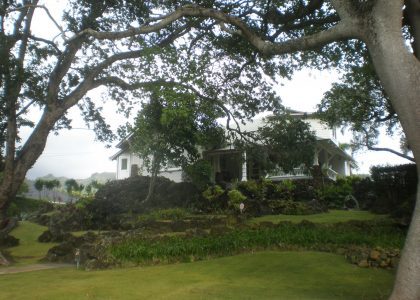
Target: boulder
375,255
363,263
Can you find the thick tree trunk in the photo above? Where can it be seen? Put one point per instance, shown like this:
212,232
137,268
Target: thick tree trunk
153,175
32,150
399,72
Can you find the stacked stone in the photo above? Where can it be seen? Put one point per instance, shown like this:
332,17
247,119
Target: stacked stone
374,258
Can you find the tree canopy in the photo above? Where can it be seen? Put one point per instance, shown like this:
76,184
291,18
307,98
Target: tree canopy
223,51
358,102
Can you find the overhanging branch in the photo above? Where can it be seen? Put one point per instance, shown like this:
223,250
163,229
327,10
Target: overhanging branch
391,151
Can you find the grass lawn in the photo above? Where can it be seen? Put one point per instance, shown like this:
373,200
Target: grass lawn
29,250
262,275
333,216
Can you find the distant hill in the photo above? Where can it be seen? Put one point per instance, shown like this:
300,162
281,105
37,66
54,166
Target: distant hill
100,177
33,193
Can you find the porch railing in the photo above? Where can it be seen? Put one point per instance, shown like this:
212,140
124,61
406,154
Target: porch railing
331,174
300,173
296,173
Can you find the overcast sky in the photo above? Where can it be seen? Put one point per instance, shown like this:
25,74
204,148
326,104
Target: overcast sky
75,153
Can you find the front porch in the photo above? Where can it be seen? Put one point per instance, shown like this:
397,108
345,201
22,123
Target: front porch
233,165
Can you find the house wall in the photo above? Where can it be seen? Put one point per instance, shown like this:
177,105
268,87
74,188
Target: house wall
123,173
174,174
322,130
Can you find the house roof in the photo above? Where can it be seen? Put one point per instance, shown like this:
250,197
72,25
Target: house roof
121,144
114,156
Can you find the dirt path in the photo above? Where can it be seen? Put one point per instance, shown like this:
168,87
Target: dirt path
30,268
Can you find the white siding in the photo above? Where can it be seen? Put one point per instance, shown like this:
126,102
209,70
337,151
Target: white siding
322,130
174,174
121,174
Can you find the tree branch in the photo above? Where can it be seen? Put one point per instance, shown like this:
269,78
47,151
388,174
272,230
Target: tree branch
46,11
116,81
48,42
346,29
369,147
391,151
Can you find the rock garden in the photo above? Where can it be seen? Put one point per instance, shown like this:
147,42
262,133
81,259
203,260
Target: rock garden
183,223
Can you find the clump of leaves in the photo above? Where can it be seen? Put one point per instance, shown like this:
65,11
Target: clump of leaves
235,199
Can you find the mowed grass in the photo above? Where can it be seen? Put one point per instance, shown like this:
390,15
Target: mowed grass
262,275
29,250
333,216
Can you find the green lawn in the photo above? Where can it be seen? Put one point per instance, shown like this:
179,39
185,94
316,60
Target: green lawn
29,250
263,275
333,216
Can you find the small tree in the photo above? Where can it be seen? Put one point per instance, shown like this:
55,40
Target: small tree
169,130
284,142
71,187
39,186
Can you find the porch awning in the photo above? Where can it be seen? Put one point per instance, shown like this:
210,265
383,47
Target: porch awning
334,149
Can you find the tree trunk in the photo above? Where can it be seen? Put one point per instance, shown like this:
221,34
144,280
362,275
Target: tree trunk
153,175
399,72
28,155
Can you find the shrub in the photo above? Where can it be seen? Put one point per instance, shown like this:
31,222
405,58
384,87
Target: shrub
215,198
173,214
235,199
213,193
393,186
290,207
124,196
69,217
334,194
286,188
199,173
251,189
84,202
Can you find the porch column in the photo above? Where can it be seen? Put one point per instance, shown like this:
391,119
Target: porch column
316,161
244,170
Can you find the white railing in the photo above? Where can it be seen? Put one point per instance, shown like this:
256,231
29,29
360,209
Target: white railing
331,174
299,173
296,173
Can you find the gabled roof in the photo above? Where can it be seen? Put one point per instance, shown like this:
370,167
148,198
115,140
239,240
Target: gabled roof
122,143
113,157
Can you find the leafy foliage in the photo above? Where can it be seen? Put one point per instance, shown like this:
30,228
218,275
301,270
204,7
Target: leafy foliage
169,130
284,142
395,188
285,235
360,103
199,173
235,199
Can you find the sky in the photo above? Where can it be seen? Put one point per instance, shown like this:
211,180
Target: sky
76,154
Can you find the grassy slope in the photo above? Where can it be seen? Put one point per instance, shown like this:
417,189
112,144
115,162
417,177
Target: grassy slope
333,216
264,275
29,250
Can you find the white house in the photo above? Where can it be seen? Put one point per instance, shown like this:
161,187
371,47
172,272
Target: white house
231,164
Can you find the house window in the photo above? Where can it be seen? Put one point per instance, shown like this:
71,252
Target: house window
124,164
